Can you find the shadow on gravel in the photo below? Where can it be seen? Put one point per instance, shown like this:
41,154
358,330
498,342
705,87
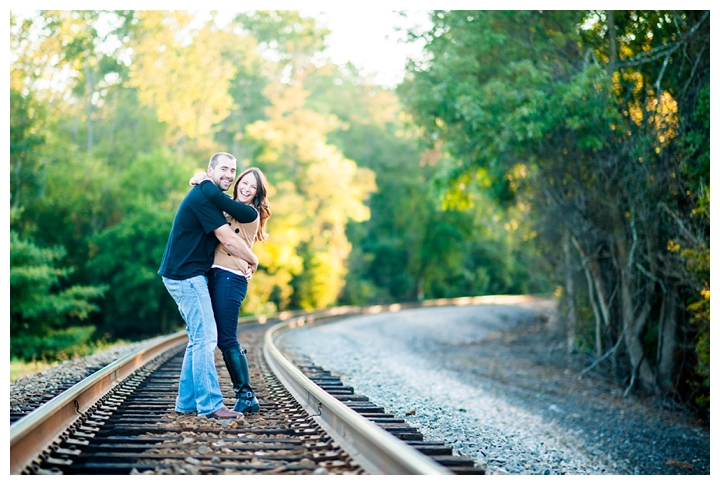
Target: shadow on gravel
529,364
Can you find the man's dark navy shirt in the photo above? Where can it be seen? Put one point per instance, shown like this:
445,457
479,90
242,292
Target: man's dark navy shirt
191,246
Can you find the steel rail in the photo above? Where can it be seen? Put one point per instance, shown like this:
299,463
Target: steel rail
378,451
311,315
34,433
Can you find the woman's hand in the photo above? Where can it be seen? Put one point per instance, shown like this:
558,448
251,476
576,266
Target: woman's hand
198,177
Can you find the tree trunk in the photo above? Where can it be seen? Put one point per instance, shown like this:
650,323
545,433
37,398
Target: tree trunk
17,202
666,340
598,281
633,324
570,297
596,314
75,129
90,86
603,300
594,286
612,40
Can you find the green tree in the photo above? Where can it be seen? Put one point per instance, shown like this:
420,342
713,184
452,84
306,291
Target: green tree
316,189
328,188
127,254
182,73
247,90
287,36
441,250
25,142
39,308
576,115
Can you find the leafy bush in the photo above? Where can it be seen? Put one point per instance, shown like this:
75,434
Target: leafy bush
35,306
63,344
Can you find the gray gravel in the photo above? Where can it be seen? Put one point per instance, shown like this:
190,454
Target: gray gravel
471,377
31,389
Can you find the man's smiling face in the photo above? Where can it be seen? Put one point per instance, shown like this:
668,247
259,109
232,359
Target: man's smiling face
223,175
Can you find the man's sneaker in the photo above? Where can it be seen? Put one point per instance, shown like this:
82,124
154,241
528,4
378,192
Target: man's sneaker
225,413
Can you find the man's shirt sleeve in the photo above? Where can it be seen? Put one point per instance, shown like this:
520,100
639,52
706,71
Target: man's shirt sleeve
240,212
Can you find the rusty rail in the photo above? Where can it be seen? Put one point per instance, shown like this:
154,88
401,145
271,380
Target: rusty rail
33,433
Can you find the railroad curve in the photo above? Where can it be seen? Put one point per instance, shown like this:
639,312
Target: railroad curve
121,420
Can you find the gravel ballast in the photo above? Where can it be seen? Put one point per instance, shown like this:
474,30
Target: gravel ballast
35,388
491,382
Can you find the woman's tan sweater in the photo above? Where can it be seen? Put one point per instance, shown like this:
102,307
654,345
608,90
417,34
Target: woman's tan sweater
247,233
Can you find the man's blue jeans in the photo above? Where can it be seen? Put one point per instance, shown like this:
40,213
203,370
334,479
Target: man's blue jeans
199,388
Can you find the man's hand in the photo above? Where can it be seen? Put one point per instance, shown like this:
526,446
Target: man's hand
236,246
198,177
252,268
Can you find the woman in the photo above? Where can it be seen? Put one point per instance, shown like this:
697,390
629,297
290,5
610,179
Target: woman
228,278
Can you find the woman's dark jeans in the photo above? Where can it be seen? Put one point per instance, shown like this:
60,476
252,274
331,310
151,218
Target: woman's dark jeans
227,292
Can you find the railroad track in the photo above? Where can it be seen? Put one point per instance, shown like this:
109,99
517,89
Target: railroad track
120,420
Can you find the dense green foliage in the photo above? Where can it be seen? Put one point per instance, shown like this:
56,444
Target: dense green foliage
42,311
598,121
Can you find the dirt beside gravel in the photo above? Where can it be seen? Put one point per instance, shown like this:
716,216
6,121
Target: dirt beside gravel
643,435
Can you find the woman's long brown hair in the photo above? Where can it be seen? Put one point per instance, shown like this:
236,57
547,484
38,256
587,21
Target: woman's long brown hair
260,201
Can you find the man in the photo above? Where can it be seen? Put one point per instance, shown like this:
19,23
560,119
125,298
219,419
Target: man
198,226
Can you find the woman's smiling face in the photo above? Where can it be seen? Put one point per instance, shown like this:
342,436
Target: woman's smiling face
246,188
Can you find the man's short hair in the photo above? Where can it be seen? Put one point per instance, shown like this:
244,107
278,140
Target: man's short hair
214,159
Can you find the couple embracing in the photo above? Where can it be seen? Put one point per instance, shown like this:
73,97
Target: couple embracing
206,266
